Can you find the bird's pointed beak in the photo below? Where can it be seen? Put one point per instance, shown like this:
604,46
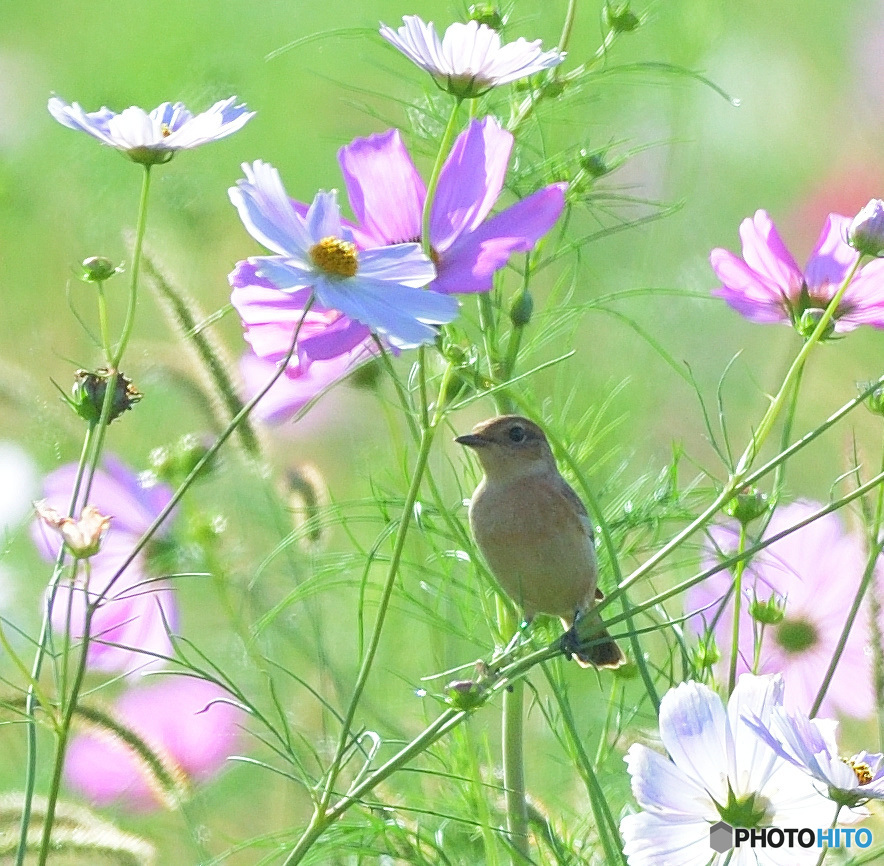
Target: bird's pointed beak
471,440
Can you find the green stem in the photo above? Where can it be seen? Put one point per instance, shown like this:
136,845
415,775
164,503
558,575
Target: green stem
826,847
64,732
512,734
103,323
876,544
321,815
792,376
42,643
738,599
444,148
129,321
207,458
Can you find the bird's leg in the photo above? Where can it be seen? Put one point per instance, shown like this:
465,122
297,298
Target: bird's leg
570,642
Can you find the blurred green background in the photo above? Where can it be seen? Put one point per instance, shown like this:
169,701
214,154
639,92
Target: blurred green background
805,139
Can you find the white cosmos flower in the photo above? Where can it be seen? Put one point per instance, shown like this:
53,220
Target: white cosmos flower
717,769
469,59
153,137
810,745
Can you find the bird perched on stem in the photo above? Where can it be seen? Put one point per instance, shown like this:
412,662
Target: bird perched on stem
535,534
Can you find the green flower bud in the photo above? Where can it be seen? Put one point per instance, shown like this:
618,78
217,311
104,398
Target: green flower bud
875,400
487,14
706,653
593,163
620,18
749,504
521,308
465,694
87,395
770,612
810,318
866,232
97,269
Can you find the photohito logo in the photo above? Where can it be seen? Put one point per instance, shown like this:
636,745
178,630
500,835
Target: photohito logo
723,837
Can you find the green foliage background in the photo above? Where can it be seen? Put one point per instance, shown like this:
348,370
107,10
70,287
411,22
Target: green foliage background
805,139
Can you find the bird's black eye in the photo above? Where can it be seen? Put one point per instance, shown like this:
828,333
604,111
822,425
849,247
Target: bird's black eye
517,433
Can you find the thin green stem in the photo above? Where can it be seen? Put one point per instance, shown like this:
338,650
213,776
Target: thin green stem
738,599
64,732
825,850
43,639
103,323
129,321
792,376
512,735
444,148
876,544
321,815
207,458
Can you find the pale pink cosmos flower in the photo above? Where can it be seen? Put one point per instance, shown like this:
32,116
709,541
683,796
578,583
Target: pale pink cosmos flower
817,569
766,285
469,59
190,723
131,626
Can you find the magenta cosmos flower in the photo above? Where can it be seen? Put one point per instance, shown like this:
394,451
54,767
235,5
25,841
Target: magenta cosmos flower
766,285
187,722
817,570
469,59
387,196
156,136
131,625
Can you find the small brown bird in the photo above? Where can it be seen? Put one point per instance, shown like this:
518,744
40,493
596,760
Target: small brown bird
534,532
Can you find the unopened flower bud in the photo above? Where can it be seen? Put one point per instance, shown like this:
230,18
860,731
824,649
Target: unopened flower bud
620,18
521,308
464,694
487,14
87,395
706,653
866,232
81,537
97,269
770,612
810,318
875,400
749,504
592,163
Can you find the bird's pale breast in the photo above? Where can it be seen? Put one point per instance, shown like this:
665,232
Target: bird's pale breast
537,543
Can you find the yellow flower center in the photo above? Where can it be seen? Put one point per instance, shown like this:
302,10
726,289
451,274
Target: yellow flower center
335,256
165,131
861,768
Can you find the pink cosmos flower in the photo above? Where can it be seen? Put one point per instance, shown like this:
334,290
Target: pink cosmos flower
387,196
186,721
132,622
817,570
766,285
